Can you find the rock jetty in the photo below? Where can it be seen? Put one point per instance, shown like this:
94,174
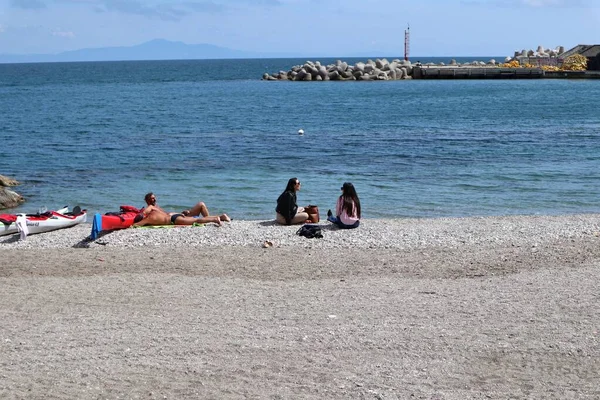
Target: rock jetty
380,69
384,70
540,52
9,198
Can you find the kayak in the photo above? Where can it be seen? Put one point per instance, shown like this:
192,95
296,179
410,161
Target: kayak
114,220
42,222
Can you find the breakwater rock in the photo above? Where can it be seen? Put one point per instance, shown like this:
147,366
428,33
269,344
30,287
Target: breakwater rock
9,198
541,52
380,69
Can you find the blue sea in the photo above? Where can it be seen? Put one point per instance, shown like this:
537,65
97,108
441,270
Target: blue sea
103,134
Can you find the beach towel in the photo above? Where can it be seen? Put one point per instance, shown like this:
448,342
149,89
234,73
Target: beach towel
96,226
167,226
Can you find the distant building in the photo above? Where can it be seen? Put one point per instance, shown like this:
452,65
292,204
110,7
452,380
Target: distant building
592,52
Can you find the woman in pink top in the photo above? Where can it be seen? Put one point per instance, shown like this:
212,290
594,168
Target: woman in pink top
347,209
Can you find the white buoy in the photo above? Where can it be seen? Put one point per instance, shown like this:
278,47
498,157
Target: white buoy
301,132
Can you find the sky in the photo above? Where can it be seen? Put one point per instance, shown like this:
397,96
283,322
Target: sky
319,27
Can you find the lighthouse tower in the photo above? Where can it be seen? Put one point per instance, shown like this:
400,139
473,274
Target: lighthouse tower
407,42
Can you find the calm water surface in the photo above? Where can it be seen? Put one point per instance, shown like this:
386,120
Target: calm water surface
103,134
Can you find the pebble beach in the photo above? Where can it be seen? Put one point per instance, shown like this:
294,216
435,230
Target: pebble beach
402,234
441,308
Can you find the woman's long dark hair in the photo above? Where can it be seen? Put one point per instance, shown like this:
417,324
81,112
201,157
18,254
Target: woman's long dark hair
291,186
349,197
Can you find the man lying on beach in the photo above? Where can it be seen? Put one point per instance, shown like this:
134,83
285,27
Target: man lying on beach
197,214
155,217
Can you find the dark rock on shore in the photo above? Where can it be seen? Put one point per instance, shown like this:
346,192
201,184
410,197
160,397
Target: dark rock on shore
6,181
9,198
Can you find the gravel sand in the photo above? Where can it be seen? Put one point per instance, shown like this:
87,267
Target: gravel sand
452,308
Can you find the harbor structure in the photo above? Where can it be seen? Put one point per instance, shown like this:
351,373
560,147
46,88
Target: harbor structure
524,65
580,62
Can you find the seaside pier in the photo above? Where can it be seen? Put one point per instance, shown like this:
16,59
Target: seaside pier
580,62
468,72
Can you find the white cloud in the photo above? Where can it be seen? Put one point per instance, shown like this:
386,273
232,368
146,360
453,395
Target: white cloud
63,34
167,10
544,3
28,4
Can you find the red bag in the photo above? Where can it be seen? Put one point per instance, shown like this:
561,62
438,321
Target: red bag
131,209
313,213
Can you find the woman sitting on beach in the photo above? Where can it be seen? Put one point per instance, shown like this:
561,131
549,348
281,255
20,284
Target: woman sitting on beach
288,212
347,209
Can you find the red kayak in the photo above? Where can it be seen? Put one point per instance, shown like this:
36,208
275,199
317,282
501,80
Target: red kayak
114,220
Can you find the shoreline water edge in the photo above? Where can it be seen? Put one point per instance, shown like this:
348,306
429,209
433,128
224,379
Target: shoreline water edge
373,233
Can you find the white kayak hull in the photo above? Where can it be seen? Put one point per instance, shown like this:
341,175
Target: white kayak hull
58,220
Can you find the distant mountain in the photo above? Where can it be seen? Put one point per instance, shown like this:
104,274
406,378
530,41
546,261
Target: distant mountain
158,49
